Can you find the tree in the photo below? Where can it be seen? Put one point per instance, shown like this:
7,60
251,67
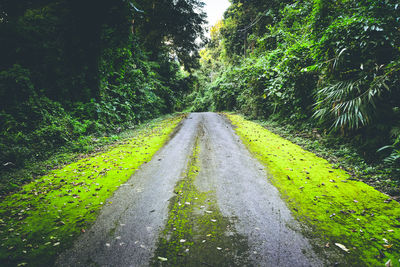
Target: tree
173,27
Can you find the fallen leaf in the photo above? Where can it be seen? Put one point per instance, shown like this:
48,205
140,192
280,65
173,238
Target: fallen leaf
342,247
389,263
182,240
162,259
213,220
388,246
219,248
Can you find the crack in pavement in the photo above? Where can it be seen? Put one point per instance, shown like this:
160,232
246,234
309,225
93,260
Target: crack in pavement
127,230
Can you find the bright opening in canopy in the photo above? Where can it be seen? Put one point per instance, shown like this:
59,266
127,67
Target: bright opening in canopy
215,10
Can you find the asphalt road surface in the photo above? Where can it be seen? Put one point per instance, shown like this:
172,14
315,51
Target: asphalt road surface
127,230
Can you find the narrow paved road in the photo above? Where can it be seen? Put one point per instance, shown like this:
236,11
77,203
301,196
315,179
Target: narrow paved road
127,230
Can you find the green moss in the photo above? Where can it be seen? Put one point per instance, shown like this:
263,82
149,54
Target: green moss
336,208
196,233
47,214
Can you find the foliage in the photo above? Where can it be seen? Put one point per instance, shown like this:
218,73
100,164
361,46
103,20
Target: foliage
331,64
74,70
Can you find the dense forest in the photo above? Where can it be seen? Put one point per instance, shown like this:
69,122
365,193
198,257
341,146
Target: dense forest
102,164
74,71
71,71
327,67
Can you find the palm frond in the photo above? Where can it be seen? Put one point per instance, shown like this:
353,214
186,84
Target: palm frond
350,104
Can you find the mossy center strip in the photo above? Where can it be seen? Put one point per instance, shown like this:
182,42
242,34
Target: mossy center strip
339,210
47,214
196,233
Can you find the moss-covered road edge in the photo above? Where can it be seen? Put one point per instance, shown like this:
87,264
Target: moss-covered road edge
338,210
45,216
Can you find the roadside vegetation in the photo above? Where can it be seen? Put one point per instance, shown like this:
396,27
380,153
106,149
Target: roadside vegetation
341,152
72,73
341,213
77,80
46,215
328,68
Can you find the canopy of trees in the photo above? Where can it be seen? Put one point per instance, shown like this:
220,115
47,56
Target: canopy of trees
72,68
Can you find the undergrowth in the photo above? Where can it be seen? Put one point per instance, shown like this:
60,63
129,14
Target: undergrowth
46,159
341,152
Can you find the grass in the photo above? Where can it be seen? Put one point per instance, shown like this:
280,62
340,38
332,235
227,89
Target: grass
46,215
335,207
13,177
343,152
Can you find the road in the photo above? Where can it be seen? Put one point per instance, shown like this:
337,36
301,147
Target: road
128,229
